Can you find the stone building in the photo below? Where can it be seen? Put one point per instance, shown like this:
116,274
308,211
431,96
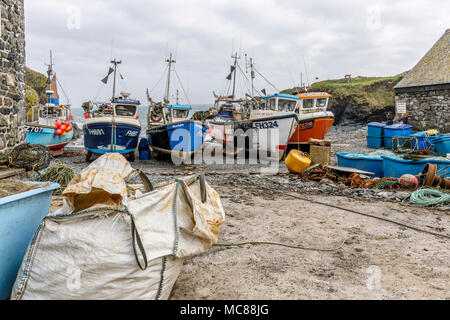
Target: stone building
12,70
424,91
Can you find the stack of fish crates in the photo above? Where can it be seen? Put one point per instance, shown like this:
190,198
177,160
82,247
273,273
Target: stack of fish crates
375,134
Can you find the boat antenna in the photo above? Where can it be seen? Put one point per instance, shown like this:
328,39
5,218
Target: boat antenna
50,69
306,71
115,63
235,57
170,61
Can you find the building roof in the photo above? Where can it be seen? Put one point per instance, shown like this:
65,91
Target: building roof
433,68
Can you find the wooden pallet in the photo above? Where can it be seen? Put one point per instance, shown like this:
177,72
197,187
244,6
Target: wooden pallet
7,173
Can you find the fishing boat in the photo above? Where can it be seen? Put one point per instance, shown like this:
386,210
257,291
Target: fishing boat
50,124
240,125
112,126
314,120
170,129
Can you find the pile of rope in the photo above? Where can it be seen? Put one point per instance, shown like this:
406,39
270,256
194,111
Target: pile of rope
59,173
427,198
29,157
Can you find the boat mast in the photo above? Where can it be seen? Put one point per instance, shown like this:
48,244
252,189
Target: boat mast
115,63
235,57
49,75
169,61
252,76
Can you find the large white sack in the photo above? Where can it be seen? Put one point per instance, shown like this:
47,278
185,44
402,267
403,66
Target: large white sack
90,254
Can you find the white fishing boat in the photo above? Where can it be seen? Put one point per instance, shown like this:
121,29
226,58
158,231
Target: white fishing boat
236,128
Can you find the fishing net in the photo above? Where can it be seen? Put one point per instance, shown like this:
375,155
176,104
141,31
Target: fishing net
59,173
29,157
9,187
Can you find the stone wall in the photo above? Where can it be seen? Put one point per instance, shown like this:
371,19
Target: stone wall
428,107
12,70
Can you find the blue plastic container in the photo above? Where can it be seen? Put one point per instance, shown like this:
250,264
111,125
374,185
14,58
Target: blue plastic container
374,142
396,167
395,130
364,163
398,130
442,145
375,129
144,151
20,215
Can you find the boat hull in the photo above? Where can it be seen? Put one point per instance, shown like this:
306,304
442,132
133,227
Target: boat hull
315,125
46,136
268,134
182,138
104,136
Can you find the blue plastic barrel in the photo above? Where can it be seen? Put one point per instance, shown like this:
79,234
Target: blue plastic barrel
20,215
144,151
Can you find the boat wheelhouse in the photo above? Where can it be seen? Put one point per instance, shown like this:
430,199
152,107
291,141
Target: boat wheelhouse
112,127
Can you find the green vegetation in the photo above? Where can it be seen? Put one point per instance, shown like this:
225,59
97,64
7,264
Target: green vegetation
371,92
36,84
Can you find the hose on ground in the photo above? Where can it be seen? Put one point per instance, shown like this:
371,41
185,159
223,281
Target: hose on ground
427,198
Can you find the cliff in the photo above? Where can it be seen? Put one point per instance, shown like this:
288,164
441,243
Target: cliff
358,100
35,85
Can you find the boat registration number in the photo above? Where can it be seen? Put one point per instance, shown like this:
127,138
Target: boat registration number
33,129
265,125
306,125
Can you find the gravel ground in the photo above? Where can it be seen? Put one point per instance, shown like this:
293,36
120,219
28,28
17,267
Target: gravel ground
379,260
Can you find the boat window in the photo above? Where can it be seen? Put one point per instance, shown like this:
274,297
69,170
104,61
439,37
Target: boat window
321,102
308,103
50,112
180,113
125,110
271,104
286,105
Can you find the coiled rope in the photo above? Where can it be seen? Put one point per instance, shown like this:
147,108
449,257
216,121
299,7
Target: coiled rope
427,198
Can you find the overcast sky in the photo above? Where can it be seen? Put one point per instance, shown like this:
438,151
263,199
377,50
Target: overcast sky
324,39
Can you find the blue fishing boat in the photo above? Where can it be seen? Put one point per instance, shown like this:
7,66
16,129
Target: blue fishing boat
170,130
50,124
112,126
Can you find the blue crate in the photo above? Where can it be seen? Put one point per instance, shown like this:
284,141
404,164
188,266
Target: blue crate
20,215
387,142
442,145
398,130
396,167
375,129
374,142
362,162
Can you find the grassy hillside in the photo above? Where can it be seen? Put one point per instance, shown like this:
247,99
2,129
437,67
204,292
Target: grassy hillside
35,84
359,99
